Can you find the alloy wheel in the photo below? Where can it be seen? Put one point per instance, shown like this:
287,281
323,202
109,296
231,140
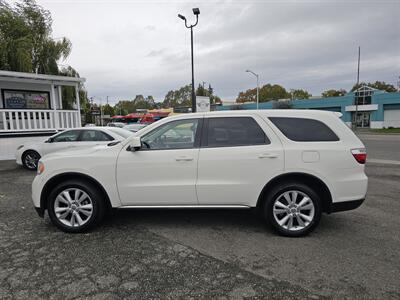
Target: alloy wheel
73,207
31,160
293,210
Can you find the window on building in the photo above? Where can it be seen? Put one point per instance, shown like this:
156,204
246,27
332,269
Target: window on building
304,130
234,131
363,96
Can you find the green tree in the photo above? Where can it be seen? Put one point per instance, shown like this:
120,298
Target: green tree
300,94
108,110
25,39
379,85
202,91
267,92
124,107
334,93
248,96
68,93
140,102
178,98
272,92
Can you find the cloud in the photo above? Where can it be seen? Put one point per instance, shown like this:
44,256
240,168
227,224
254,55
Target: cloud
150,27
125,48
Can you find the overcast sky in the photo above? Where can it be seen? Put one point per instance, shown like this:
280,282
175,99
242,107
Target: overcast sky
125,48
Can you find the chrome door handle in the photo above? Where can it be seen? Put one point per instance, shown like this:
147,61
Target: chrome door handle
184,158
267,155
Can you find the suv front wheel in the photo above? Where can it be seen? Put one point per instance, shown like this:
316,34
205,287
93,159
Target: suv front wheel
292,209
75,206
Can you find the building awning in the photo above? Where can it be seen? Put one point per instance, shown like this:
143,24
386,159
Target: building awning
39,78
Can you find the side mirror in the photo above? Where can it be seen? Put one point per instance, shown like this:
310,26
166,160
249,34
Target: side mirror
135,144
50,140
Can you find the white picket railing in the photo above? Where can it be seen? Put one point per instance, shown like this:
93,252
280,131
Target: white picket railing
28,120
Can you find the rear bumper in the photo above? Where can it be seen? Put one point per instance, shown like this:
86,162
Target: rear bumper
346,205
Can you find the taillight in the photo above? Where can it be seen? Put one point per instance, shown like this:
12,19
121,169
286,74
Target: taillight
360,155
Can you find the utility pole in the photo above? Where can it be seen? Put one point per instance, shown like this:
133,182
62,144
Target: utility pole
101,112
91,108
398,84
358,82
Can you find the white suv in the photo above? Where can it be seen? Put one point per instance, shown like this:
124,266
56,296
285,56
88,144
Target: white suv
292,165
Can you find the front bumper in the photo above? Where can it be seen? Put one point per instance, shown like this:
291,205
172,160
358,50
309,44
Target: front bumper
37,187
40,211
346,205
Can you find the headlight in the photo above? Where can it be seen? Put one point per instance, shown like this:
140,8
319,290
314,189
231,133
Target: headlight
19,147
40,168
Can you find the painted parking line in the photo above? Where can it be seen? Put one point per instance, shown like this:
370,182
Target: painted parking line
383,161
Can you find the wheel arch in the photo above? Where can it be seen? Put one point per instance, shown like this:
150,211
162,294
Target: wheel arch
312,181
29,150
54,181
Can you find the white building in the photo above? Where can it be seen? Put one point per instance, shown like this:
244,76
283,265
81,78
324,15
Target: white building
31,107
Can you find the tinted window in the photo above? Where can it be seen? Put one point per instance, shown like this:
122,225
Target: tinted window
67,136
94,136
304,130
236,131
173,135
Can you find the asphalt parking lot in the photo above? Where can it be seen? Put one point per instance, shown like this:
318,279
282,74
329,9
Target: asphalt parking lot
202,254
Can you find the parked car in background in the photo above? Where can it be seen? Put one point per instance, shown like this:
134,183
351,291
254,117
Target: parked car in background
291,165
28,155
116,124
134,127
90,125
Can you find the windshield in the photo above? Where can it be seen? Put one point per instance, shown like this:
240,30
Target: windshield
120,131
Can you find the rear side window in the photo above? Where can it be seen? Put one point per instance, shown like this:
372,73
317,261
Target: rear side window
234,131
94,136
304,130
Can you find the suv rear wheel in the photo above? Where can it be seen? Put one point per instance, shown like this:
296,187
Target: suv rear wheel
292,209
75,206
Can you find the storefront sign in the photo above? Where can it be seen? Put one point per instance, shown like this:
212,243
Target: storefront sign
18,99
202,104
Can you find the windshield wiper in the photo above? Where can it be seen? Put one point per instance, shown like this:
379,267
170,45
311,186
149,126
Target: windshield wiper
113,143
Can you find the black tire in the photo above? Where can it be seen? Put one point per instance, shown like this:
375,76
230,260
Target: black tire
275,193
30,159
96,197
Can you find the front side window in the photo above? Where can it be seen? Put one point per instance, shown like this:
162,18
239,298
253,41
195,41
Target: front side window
67,136
234,131
94,136
304,130
173,135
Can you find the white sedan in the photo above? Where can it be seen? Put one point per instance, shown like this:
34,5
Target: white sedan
28,155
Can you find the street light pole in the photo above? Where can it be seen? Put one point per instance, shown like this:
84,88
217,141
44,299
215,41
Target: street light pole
193,88
355,94
258,83
196,12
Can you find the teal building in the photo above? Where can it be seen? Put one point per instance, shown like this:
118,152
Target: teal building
375,108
